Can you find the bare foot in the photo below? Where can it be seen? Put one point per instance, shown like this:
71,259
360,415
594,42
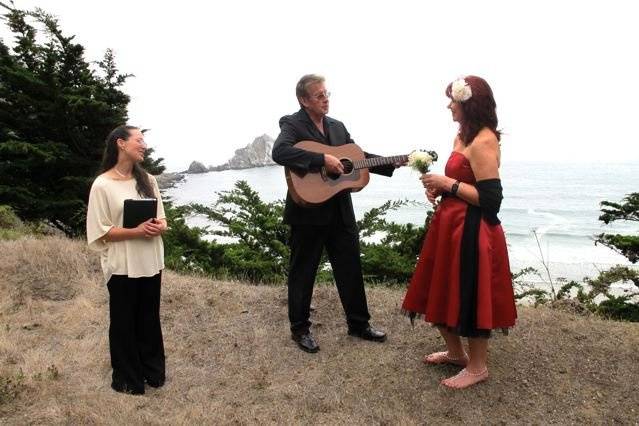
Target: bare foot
464,379
445,358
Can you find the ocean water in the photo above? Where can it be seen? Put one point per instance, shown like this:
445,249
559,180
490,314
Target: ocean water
557,201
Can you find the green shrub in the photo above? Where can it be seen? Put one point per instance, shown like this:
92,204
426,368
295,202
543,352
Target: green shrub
8,218
619,308
11,227
185,249
259,251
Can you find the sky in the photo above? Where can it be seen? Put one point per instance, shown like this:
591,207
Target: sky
212,76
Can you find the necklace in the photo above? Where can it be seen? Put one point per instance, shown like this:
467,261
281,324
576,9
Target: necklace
121,174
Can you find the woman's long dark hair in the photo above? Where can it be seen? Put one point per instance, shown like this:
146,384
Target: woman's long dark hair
110,159
478,111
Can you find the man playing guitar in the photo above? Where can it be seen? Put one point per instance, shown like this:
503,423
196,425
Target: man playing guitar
330,225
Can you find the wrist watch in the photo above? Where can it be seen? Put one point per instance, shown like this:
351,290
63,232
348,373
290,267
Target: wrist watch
454,188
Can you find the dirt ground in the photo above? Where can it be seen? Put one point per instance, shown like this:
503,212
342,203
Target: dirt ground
230,358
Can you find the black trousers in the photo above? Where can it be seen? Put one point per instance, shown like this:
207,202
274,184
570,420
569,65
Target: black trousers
307,243
135,334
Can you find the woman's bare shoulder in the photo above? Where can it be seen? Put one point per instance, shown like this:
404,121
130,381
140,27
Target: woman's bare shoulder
484,154
486,140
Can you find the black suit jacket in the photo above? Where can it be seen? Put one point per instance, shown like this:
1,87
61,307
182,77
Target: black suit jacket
299,127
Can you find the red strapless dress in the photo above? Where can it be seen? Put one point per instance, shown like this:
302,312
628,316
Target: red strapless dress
434,289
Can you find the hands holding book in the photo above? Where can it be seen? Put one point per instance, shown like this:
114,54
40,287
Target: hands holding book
141,215
147,229
151,228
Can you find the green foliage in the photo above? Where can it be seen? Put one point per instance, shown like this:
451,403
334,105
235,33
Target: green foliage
523,289
626,245
261,253
384,264
628,210
613,307
153,166
8,218
391,260
257,250
184,248
374,220
601,284
619,308
564,290
55,111
11,227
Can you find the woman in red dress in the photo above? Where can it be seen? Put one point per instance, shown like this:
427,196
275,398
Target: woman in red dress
462,282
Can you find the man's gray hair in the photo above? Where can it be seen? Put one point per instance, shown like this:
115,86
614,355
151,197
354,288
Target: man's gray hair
301,90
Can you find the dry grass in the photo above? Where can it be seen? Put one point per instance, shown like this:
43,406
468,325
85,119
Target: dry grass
230,358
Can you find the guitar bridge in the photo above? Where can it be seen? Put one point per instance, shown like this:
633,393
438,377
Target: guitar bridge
323,174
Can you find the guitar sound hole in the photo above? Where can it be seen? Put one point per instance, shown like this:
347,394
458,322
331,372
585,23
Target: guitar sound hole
348,165
348,169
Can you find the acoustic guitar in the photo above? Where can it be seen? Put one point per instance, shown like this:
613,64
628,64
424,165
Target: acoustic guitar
314,188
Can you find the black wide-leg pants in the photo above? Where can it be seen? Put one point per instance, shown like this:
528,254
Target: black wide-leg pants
135,334
342,245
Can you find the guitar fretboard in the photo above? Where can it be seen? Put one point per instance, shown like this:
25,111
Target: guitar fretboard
379,161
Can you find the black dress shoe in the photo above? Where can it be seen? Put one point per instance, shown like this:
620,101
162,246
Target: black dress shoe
306,342
368,333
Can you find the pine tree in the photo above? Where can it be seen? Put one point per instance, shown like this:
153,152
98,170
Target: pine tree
55,112
626,245
625,306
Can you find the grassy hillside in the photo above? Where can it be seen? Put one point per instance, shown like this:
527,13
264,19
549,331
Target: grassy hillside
230,357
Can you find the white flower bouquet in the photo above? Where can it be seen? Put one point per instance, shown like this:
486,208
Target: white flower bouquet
422,160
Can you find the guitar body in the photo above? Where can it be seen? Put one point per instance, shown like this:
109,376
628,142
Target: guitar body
314,188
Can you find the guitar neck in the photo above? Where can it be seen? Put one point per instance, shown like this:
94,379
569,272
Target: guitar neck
379,161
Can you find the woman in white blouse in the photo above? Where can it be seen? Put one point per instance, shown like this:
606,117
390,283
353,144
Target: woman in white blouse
132,261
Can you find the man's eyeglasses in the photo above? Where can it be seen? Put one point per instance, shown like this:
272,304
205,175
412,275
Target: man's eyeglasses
321,96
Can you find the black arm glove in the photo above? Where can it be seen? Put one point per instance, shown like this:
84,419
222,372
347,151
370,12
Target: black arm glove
490,196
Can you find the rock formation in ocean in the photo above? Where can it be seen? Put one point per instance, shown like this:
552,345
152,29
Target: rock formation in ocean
197,167
169,179
255,154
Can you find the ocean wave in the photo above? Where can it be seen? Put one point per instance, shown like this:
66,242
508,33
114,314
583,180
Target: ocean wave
560,212
572,235
552,221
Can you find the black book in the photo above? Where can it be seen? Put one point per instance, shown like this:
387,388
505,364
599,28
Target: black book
138,211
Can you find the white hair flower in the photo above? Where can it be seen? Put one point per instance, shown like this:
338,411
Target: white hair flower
460,90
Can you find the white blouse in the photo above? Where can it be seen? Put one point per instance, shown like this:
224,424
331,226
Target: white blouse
139,257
